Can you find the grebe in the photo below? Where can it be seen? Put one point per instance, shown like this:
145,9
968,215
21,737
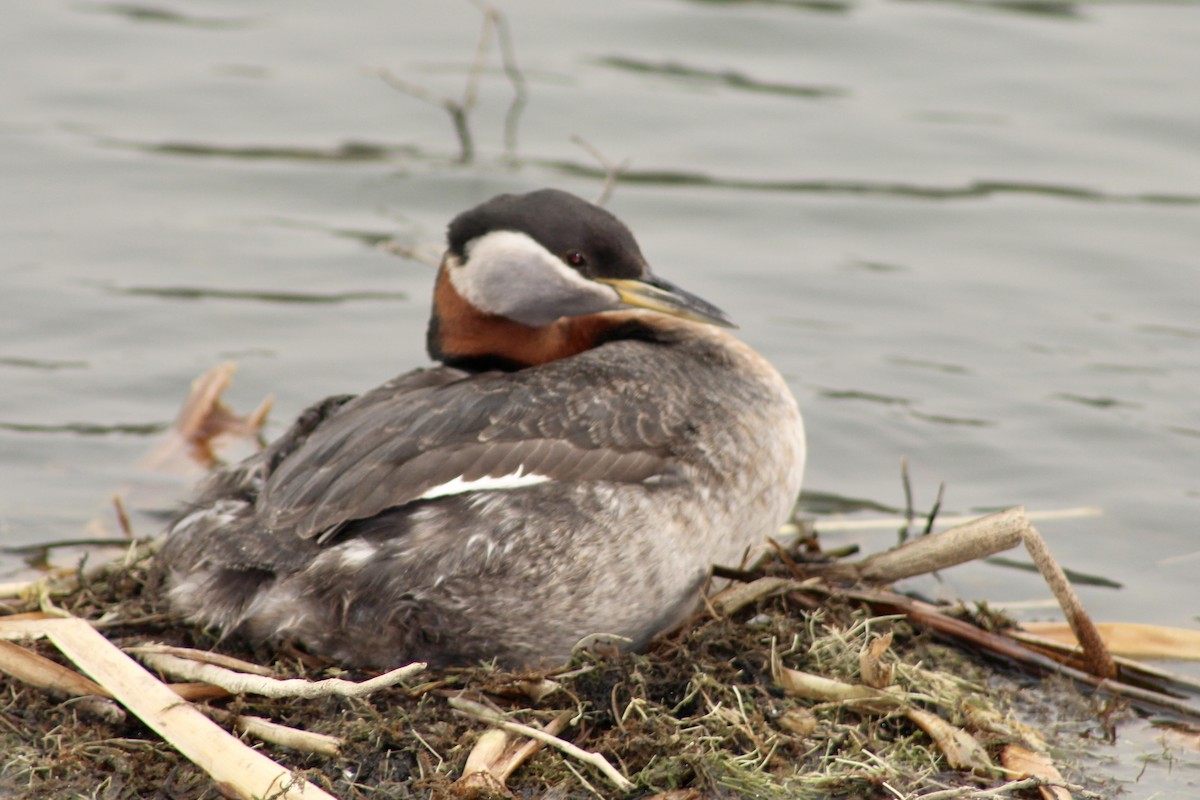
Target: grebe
574,467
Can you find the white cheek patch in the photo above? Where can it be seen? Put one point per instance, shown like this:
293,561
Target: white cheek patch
509,274
515,480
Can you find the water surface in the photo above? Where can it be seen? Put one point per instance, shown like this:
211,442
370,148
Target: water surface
966,232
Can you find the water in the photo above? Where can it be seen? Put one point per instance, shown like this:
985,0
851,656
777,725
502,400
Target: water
965,231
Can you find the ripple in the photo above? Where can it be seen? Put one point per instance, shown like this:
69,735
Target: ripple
946,419
728,78
368,237
346,152
1052,9
87,428
820,6
40,363
1075,576
201,293
972,190
1127,369
1096,402
1169,330
856,394
875,266
814,501
155,14
949,369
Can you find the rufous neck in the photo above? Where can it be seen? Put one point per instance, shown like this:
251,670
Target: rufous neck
461,334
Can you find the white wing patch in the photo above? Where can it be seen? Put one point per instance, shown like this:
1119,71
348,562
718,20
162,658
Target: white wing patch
514,480
355,553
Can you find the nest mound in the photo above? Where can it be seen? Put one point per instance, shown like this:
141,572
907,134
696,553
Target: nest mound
716,708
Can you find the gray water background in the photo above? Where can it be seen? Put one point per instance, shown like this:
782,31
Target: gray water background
966,232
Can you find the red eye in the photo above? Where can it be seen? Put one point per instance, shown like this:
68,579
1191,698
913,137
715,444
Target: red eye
575,259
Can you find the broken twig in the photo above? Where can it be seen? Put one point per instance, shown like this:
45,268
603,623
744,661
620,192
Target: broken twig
497,755
201,656
267,731
240,682
1097,654
891,523
472,709
972,540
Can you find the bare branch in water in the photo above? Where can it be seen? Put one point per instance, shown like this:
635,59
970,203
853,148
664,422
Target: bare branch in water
471,93
908,500
494,25
933,512
458,114
611,171
508,58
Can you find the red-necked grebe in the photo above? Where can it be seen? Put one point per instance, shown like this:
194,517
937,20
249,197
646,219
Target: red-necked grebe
592,442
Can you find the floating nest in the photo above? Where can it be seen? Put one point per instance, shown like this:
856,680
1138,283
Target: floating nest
788,684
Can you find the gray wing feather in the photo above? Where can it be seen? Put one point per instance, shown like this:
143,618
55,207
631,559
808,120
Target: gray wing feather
390,446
